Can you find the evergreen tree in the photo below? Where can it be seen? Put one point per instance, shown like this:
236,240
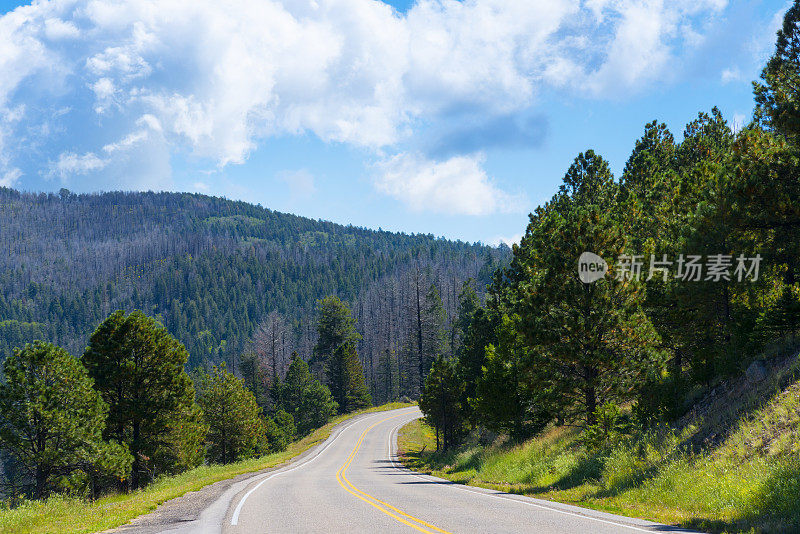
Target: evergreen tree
478,327
307,400
441,403
468,304
233,417
704,227
336,348
52,420
593,340
389,375
257,378
778,97
335,327
280,430
765,210
351,387
434,335
138,368
510,396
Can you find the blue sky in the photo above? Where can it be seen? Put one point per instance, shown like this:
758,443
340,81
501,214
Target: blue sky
434,116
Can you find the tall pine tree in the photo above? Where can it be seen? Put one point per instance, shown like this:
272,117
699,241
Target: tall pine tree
138,368
336,350
52,420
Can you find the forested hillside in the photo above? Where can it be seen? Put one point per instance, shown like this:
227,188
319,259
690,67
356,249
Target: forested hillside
224,277
621,359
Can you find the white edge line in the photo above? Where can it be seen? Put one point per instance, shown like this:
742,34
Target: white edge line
238,510
462,487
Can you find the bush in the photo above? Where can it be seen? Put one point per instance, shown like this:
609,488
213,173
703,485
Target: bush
235,427
280,430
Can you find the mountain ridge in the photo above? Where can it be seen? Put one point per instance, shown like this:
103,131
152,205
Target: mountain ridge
211,269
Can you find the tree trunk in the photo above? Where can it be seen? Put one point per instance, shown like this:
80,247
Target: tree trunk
421,362
135,480
591,395
41,482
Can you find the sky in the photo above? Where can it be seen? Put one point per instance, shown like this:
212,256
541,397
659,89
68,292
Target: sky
454,118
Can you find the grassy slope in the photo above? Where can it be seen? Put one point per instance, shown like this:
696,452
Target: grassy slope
73,515
746,478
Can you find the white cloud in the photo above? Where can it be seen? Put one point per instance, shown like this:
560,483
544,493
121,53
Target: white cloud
738,122
56,29
512,240
201,186
762,44
731,75
126,142
70,164
10,177
215,79
457,186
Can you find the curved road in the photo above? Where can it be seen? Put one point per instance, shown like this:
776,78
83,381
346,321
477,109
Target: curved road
352,483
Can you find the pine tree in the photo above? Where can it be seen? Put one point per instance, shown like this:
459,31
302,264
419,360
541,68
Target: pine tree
336,348
138,368
257,378
235,427
468,304
778,97
477,328
441,403
434,335
307,400
52,420
593,338
280,429
389,375
511,395
335,327
354,392
764,190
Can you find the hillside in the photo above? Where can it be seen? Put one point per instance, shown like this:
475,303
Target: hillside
212,270
730,465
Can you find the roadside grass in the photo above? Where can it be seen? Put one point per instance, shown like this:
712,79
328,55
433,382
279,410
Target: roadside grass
67,514
750,482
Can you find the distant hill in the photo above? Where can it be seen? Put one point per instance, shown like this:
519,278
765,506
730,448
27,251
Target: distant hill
212,269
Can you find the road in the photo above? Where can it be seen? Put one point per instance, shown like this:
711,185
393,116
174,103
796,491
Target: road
352,483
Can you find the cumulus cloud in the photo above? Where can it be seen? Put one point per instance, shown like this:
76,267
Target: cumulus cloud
216,79
10,177
70,164
456,186
56,29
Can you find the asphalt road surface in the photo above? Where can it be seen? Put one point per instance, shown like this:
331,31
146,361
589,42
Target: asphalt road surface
352,483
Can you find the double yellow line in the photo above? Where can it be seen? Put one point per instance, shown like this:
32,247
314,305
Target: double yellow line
384,507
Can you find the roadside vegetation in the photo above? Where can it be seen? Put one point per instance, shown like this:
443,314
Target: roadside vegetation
623,359
665,387
89,443
71,514
744,477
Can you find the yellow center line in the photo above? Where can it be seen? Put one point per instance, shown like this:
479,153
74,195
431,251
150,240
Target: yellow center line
373,501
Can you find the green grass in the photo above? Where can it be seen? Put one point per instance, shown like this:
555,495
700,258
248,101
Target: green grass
750,482
66,514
